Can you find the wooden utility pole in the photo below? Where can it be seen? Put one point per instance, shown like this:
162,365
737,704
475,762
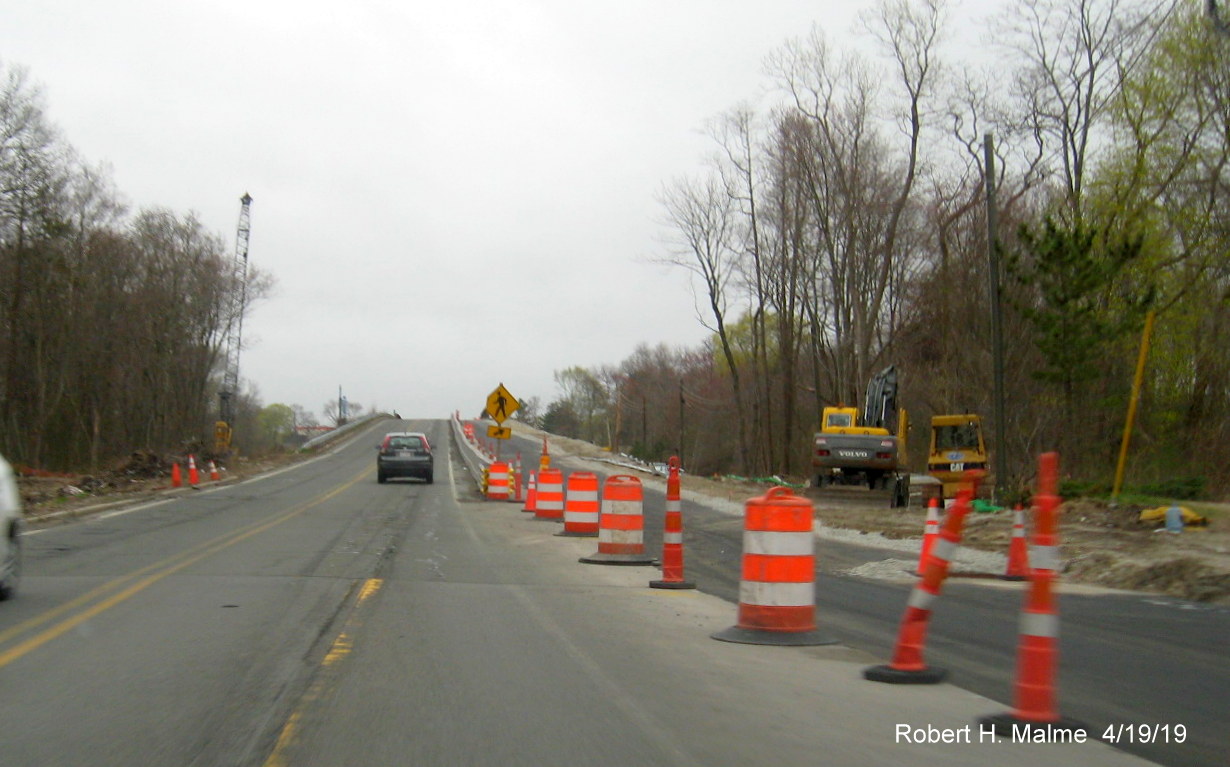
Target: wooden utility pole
1000,464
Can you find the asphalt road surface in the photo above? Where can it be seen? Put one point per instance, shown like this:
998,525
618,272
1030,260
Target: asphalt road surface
315,617
1125,659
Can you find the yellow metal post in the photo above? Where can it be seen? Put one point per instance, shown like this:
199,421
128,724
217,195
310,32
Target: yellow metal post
1131,414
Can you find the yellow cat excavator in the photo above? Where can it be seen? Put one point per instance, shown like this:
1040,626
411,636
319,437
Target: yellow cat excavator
956,447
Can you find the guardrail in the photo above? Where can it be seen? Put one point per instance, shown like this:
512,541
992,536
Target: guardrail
345,428
474,460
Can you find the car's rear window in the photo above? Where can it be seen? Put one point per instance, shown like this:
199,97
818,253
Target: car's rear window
406,443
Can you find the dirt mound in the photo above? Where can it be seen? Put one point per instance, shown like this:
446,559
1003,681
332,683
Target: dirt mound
1182,577
143,464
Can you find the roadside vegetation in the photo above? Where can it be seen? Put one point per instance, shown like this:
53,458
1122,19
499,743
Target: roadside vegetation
841,226
113,322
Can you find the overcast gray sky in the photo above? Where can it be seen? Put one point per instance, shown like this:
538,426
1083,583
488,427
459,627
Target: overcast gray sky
448,194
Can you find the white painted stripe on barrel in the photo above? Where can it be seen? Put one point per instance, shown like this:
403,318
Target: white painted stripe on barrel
769,594
778,544
607,535
582,495
623,507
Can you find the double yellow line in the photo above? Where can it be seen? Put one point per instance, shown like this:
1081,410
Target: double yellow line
127,586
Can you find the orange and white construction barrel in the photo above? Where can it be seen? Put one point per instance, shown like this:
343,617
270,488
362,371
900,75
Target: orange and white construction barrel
581,508
777,591
549,505
497,482
621,524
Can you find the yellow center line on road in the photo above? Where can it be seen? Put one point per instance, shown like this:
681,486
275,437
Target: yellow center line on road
341,648
152,574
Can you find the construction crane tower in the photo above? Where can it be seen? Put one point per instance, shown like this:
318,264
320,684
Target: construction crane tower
223,429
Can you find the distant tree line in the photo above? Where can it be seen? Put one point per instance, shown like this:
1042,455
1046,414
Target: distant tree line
843,228
112,324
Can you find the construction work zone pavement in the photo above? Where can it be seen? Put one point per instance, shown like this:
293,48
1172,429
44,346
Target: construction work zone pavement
650,654
750,703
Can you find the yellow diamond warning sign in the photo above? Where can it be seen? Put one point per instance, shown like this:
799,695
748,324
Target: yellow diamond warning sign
501,404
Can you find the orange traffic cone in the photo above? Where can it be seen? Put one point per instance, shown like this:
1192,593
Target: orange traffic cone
931,531
544,462
672,536
194,477
907,666
1018,550
214,476
1038,651
177,478
531,494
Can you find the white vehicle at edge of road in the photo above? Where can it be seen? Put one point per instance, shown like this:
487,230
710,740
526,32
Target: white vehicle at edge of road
10,527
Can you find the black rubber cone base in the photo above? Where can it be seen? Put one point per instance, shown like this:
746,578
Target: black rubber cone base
899,676
1031,730
780,638
571,534
617,559
671,585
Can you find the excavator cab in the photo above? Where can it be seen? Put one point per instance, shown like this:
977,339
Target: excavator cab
836,418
